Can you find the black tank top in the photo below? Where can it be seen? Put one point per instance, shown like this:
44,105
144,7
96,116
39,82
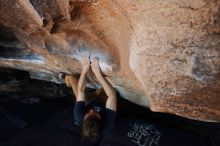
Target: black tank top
97,105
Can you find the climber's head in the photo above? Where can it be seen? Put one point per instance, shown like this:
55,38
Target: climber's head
91,126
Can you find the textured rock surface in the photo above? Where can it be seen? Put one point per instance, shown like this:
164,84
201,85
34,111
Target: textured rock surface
163,54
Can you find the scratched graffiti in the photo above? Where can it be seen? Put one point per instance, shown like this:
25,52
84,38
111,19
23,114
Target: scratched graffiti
144,135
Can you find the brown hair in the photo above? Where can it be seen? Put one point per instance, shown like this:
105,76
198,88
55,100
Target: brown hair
91,129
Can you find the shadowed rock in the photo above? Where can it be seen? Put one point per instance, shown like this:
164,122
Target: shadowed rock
163,55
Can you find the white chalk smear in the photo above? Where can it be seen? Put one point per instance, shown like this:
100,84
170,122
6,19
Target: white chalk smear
104,59
36,60
24,60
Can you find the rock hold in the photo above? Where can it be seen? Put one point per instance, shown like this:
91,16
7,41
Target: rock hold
163,55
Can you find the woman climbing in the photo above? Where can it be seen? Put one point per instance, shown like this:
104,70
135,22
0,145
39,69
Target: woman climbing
95,117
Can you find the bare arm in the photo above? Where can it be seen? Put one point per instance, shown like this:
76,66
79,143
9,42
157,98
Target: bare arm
81,87
111,102
82,80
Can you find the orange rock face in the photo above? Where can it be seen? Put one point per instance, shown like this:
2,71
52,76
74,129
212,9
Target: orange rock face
164,55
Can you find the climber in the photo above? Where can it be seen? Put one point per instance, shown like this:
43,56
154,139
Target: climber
95,117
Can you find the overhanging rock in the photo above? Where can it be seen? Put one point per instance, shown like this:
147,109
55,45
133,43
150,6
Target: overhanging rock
164,55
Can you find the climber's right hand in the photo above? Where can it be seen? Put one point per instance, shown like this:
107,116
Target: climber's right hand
96,68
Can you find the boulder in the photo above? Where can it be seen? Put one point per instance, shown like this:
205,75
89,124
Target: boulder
163,55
